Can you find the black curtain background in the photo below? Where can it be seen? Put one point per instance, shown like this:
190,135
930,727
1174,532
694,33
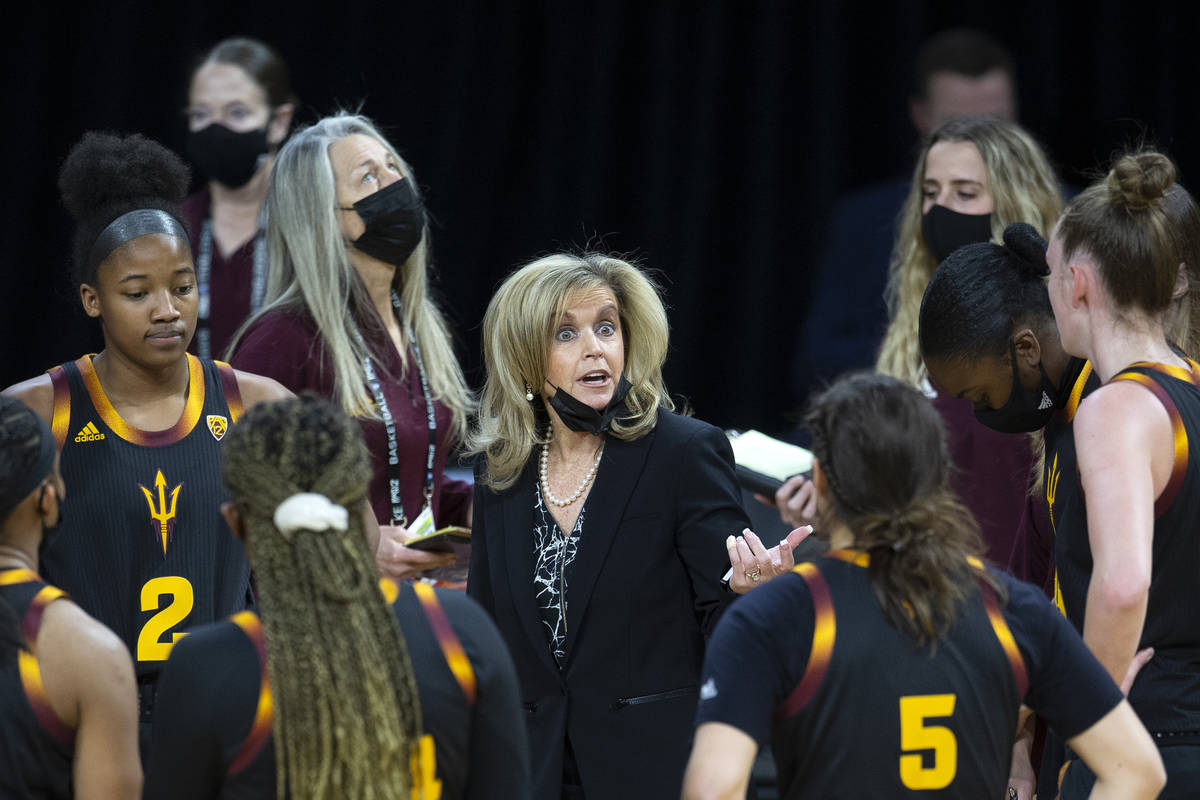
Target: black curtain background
710,139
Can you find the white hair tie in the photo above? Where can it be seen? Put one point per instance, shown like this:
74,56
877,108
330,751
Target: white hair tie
306,511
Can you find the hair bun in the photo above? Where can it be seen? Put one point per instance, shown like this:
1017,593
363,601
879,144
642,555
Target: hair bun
105,169
1138,180
1027,248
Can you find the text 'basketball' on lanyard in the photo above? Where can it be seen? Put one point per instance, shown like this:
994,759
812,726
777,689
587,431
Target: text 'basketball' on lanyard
258,281
398,516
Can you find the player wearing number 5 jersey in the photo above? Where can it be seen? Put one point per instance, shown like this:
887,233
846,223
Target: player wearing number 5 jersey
898,663
143,547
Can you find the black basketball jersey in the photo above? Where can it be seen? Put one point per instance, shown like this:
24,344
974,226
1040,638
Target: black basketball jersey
433,646
36,747
143,546
854,708
216,709
1166,694
914,709
1060,473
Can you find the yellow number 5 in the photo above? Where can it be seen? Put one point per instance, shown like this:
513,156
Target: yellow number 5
916,735
150,646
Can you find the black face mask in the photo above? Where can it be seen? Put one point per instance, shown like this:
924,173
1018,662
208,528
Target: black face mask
225,156
1026,410
946,230
395,221
582,418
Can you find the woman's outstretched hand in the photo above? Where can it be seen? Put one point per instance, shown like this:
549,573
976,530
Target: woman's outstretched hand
753,564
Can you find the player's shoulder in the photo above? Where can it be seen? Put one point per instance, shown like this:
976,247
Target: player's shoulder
257,389
71,634
37,393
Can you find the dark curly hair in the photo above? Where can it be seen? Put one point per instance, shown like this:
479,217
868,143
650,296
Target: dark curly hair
106,175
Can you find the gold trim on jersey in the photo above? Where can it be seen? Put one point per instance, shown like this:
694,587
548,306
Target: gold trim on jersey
187,421
1076,396
60,420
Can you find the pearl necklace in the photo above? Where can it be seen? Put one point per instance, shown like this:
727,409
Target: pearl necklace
587,479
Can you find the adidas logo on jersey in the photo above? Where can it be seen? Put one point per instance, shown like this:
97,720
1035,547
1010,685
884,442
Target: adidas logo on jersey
89,433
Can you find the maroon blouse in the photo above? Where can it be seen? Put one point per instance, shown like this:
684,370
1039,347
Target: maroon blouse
228,283
993,473
286,346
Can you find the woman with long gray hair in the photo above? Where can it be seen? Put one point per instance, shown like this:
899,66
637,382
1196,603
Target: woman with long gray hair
348,315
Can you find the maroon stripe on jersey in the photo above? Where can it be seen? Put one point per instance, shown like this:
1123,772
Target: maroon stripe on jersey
1178,433
264,715
824,633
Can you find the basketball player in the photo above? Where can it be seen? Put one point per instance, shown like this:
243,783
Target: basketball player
67,713
139,426
1126,558
429,705
898,662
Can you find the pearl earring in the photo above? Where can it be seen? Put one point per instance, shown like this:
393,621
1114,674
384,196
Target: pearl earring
528,392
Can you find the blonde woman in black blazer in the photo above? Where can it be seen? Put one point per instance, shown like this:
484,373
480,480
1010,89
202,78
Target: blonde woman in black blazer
604,523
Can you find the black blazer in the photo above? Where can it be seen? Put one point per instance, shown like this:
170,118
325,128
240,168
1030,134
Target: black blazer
644,594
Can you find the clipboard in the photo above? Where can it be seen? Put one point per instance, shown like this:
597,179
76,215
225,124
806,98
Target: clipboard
441,540
762,463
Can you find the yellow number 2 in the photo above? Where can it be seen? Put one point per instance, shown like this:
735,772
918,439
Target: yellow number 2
150,646
423,762
916,735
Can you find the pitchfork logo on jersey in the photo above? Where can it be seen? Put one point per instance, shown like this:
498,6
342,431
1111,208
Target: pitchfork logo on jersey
162,516
217,425
1052,490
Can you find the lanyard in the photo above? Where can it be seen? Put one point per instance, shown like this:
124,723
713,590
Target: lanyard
398,516
258,282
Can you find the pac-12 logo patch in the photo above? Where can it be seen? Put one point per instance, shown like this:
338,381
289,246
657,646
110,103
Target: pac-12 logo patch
217,425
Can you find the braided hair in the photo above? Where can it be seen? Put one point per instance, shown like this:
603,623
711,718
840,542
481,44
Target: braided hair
347,713
882,449
21,433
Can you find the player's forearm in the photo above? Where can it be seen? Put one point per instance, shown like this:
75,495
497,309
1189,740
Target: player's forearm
1112,627
726,787
1131,784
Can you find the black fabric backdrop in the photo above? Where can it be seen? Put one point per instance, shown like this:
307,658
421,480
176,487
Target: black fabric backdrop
710,139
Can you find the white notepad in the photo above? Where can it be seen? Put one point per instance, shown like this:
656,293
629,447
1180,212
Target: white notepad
769,456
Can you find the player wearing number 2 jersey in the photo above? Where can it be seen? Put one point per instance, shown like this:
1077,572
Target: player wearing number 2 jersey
142,547
899,662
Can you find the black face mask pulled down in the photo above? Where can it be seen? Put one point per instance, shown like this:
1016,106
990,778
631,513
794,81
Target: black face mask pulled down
1026,411
225,156
946,230
582,418
395,221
